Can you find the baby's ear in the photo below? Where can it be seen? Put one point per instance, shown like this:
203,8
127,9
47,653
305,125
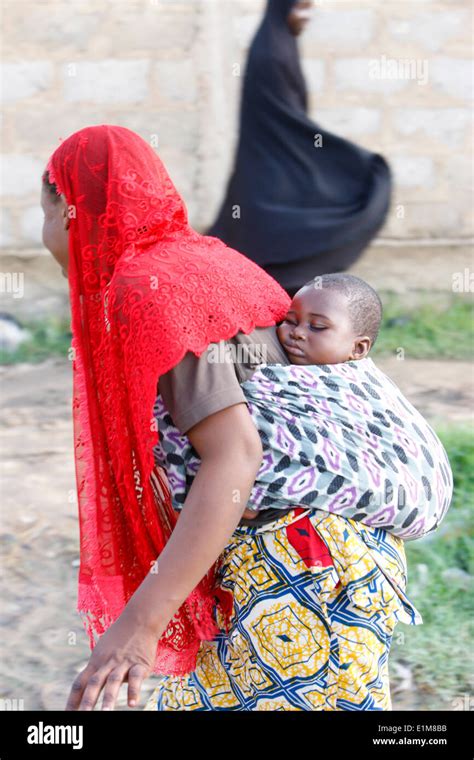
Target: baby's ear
362,347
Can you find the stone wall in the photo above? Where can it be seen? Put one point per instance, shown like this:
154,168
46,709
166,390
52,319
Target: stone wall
393,76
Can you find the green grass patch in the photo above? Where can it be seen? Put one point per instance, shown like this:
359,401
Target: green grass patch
427,326
48,337
441,585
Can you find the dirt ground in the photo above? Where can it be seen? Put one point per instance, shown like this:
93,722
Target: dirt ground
44,644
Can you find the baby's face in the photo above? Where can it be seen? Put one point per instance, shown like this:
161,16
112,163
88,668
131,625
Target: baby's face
318,330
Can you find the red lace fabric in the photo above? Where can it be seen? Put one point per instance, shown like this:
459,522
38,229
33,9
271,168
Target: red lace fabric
145,288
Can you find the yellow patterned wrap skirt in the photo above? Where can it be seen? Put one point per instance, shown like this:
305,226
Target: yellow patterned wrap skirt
314,599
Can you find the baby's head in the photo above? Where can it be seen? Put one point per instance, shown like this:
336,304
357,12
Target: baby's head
333,318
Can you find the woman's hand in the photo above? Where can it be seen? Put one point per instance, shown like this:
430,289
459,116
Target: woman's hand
125,652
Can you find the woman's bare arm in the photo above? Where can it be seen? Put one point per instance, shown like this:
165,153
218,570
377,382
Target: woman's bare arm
231,453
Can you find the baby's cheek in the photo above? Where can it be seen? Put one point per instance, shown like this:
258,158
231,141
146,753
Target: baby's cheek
326,348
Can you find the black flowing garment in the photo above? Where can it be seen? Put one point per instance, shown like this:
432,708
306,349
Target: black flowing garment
296,209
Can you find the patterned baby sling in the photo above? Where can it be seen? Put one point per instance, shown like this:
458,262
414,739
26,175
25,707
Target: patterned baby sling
341,438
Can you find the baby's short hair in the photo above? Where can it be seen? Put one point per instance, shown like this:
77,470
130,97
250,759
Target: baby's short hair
365,306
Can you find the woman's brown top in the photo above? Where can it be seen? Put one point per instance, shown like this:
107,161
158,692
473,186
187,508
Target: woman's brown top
200,386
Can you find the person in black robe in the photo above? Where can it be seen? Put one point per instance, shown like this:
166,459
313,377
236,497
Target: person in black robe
300,201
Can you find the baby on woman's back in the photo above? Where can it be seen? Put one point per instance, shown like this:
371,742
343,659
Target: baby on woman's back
337,434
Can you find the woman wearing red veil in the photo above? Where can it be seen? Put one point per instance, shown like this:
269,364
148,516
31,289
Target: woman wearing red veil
237,613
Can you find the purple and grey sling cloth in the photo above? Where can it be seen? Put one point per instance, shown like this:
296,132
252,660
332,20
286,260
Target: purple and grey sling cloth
340,438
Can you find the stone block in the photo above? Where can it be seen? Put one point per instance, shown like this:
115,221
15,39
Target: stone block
366,75
23,79
430,30
176,80
21,175
412,171
447,125
452,77
340,28
348,122
106,81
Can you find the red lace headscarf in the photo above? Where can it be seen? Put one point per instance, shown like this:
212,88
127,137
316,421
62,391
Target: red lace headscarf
145,288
